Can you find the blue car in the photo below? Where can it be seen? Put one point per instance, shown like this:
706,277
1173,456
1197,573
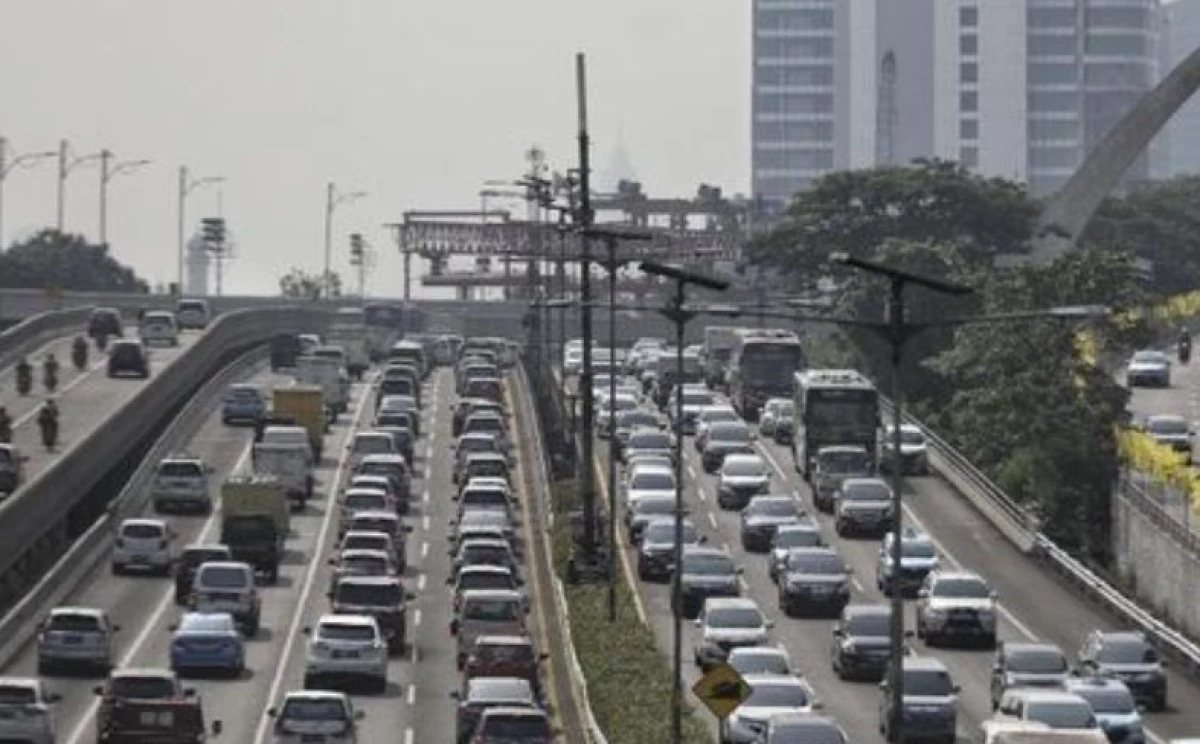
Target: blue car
207,641
244,404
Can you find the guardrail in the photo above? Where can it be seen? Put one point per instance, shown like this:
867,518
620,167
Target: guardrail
39,329
19,625
1020,527
40,505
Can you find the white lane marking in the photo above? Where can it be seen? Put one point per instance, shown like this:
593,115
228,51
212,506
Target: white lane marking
691,472
428,452
425,549
766,452
421,583
417,618
412,694
415,654
408,736
712,520
57,394
425,522
700,493
639,606
858,587
425,497
310,577
745,586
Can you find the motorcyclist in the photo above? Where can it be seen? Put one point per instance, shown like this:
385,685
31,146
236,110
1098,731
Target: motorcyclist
24,376
48,422
50,372
1184,345
5,426
79,352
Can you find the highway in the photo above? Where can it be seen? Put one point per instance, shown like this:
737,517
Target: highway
421,679
1034,604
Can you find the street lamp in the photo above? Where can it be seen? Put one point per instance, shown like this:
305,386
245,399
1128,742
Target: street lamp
332,200
67,163
108,172
186,186
679,315
7,166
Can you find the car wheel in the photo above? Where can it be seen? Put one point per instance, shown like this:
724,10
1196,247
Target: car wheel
308,682
118,569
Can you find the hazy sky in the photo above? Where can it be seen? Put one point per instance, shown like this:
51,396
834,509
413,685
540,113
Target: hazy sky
415,101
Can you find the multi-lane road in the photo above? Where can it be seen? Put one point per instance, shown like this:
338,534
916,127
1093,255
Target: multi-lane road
1034,604
416,706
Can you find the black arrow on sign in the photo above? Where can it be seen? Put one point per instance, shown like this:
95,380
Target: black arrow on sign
726,691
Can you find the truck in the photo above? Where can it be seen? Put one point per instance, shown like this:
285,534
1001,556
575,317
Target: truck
667,367
290,462
326,374
303,405
718,344
1003,730
255,521
353,340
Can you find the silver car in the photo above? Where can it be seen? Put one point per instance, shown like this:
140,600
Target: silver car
75,636
487,612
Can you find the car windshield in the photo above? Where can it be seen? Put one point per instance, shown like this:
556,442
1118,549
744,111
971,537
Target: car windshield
653,482
366,564
313,710
697,398
1061,715
144,688
482,423
477,444
366,542
744,468
797,539
74,623
844,462
17,695
492,610
1112,700
380,468
815,732
346,632
6,456
367,594
655,506
505,653
487,497
1037,661
374,444
768,695
240,393
180,470
142,531
909,436
734,617
718,415
708,565
365,501
961,589
869,491
631,419
485,580
650,440
815,563
917,549
784,507
760,663
874,624
1167,425
487,468
729,432
225,577
1126,652
485,554
208,623
664,532
514,728
1149,357
375,524
927,683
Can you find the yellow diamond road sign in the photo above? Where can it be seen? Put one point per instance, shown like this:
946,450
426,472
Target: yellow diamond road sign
722,690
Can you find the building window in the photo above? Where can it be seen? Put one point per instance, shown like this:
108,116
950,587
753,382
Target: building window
1053,73
800,103
1052,129
795,19
1121,45
794,48
1119,74
1041,45
968,129
781,187
968,72
969,157
1051,18
968,45
1053,157
793,131
968,17
1119,18
795,75
797,159
1040,100
968,101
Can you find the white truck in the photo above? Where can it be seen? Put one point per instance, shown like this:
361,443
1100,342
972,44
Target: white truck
285,454
353,340
1001,730
328,375
718,344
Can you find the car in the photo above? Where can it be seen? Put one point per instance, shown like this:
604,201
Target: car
305,711
207,641
741,477
863,506
489,422
918,557
929,703
190,559
834,464
803,728
485,465
487,612
630,421
380,483
711,414
243,403
656,553
346,647
193,313
723,439
388,522
480,442
381,597
914,450
228,586
770,695
74,637
695,401
1128,656
1020,664
1148,368
105,321
762,516
362,562
785,429
1171,431
484,552
481,577
1058,709
606,408
773,660
393,467
528,725
143,544
26,711
725,623
862,642
158,327
369,443
366,540
654,479
707,572
956,604
403,437
12,469
481,693
643,441
180,484
813,582
803,533
139,683
772,411
482,523
1113,704
647,509
357,499
126,357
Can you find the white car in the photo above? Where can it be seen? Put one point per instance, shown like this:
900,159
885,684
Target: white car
761,660
726,623
143,544
914,450
228,586
192,314
315,715
75,636
956,604
25,711
649,480
346,647
770,695
181,484
158,327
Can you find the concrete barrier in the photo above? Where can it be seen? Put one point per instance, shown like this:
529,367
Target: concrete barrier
37,330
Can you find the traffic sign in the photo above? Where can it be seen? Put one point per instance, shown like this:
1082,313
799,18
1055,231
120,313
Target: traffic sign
722,690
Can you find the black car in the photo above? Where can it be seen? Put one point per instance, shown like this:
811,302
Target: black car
381,597
189,560
128,358
707,572
657,550
285,349
1129,657
725,438
105,321
813,581
862,643
762,516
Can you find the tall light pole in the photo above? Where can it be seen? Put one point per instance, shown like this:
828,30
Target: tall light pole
186,186
678,314
7,166
332,201
67,162
109,171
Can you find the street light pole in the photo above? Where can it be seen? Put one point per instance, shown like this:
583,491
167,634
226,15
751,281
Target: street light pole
66,164
588,484
187,186
107,173
332,200
679,315
7,167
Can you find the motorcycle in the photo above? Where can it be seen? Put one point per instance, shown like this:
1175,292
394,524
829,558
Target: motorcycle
5,431
79,355
50,378
1185,352
24,380
49,425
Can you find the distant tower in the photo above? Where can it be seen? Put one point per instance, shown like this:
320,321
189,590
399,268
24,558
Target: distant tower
888,112
619,168
199,262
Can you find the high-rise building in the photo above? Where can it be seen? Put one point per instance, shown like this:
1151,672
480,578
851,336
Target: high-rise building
1180,143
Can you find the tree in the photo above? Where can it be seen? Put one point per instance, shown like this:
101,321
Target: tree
301,285
67,262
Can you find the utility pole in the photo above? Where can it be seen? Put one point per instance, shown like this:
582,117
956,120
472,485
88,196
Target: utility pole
7,166
359,258
186,186
67,163
588,484
108,171
332,201
216,239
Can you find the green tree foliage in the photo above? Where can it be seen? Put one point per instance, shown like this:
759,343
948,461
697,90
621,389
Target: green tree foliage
299,284
68,262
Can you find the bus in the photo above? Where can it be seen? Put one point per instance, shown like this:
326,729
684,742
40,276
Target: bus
833,407
718,345
762,364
